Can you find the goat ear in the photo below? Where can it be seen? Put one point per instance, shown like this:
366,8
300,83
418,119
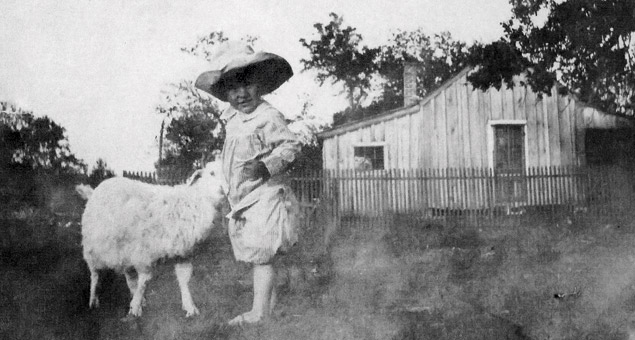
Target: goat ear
195,176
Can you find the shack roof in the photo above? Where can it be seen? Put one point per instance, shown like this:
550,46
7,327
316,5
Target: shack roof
394,113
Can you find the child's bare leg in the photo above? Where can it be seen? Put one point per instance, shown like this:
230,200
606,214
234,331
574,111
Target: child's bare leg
264,278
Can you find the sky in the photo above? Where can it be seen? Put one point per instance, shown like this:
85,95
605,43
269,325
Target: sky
100,68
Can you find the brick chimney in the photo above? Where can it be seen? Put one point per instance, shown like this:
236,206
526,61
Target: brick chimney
410,83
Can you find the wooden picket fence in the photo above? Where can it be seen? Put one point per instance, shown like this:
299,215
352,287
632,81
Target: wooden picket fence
458,190
465,191
165,176
471,194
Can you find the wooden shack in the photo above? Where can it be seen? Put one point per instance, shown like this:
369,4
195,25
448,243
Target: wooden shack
507,133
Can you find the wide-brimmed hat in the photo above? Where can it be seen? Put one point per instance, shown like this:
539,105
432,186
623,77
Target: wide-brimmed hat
235,58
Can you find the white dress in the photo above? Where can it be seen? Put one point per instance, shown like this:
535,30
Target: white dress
263,220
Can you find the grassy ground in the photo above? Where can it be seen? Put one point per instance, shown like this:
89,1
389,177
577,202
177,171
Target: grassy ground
537,279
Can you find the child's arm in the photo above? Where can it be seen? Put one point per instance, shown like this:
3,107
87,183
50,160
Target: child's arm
284,143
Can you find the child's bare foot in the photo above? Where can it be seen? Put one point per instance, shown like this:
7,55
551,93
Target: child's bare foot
249,318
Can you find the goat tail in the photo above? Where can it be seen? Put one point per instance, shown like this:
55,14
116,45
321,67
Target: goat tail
85,191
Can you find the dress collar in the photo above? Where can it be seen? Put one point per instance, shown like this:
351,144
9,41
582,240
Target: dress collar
231,112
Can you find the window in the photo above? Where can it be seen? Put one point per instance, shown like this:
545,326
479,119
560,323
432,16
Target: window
369,157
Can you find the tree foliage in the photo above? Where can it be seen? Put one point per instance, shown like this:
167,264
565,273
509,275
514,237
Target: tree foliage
34,154
337,55
203,46
584,44
439,57
99,173
194,126
35,142
306,126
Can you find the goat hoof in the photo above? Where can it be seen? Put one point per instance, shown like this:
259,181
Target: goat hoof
135,311
94,303
128,318
190,312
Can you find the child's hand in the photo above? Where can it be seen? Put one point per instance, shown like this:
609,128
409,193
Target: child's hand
254,170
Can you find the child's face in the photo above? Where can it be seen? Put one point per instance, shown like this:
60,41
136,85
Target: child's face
243,96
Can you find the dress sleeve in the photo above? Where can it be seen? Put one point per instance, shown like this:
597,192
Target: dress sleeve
284,144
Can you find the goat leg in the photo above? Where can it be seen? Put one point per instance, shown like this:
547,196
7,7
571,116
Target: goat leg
144,276
94,279
183,273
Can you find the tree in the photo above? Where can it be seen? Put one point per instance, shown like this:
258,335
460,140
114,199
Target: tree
35,142
99,173
439,58
337,56
34,153
194,127
586,45
193,137
306,126
203,46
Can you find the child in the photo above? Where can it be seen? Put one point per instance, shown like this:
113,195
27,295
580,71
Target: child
257,150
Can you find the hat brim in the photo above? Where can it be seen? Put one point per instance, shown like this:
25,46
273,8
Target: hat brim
270,69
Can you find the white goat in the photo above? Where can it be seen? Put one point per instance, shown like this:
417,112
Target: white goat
129,224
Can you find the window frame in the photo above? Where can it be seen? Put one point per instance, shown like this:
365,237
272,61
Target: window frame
509,188
369,145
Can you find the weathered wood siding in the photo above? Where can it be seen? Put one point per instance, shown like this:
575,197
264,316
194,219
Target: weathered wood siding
451,128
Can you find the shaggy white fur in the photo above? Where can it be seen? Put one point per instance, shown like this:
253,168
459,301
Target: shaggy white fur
129,224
